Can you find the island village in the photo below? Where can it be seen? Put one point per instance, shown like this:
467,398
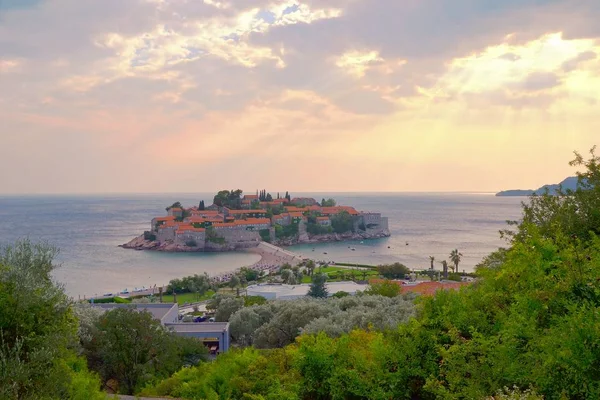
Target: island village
236,222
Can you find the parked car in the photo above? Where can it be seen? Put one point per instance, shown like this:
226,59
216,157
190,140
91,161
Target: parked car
200,319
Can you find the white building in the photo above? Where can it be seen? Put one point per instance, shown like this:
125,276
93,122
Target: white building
290,292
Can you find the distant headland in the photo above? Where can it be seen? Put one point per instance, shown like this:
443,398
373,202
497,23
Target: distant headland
235,221
569,183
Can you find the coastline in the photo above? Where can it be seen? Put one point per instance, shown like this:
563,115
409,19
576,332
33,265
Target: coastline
140,243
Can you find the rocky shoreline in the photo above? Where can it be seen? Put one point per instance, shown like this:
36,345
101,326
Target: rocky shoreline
331,237
139,243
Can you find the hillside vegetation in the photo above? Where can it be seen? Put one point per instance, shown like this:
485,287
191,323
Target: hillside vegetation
531,323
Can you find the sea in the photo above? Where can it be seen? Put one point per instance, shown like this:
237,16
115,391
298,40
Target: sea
88,230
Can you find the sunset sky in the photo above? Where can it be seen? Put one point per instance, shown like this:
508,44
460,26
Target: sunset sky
331,95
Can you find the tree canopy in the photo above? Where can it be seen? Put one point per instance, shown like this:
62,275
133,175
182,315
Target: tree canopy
527,329
38,330
318,288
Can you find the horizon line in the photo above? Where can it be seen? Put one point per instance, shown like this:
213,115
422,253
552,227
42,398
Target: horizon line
482,192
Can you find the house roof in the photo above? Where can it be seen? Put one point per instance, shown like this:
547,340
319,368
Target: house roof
322,218
296,209
240,212
165,219
338,209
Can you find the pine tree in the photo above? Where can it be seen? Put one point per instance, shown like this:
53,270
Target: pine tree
317,287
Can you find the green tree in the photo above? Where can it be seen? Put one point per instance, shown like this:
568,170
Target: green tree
386,288
393,271
177,204
201,206
455,257
444,268
310,267
431,260
317,287
38,330
328,203
134,348
342,222
228,307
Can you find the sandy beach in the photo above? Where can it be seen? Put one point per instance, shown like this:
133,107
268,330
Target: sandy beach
272,255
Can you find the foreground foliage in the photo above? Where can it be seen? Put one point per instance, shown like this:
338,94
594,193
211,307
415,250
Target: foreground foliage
531,323
278,323
132,348
38,330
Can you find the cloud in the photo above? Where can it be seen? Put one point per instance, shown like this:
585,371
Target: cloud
574,63
184,87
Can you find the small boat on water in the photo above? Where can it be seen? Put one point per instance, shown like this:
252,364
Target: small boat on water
324,252
361,242
353,249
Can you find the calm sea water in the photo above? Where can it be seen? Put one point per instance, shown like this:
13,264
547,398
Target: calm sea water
88,229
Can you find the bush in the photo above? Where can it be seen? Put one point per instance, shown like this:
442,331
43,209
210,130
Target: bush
254,300
190,284
213,237
385,288
265,235
149,236
342,222
118,300
393,271
340,294
287,231
134,348
455,276
191,243
318,229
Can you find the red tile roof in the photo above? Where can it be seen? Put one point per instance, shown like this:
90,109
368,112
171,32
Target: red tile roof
338,209
165,219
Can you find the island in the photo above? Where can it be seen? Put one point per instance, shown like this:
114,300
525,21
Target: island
235,222
570,183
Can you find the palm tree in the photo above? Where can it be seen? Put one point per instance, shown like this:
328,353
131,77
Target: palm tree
445,268
455,257
431,260
310,267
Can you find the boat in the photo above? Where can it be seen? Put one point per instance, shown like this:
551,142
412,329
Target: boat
353,249
361,242
324,252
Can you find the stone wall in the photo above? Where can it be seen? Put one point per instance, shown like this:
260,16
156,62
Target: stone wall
198,237
239,236
165,234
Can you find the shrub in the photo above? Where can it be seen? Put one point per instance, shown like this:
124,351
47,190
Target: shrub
455,276
340,294
149,236
191,243
265,235
393,271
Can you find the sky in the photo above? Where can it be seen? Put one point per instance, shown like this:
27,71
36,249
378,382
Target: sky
149,96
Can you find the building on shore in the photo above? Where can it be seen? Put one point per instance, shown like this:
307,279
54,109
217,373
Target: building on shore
215,335
232,229
291,292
